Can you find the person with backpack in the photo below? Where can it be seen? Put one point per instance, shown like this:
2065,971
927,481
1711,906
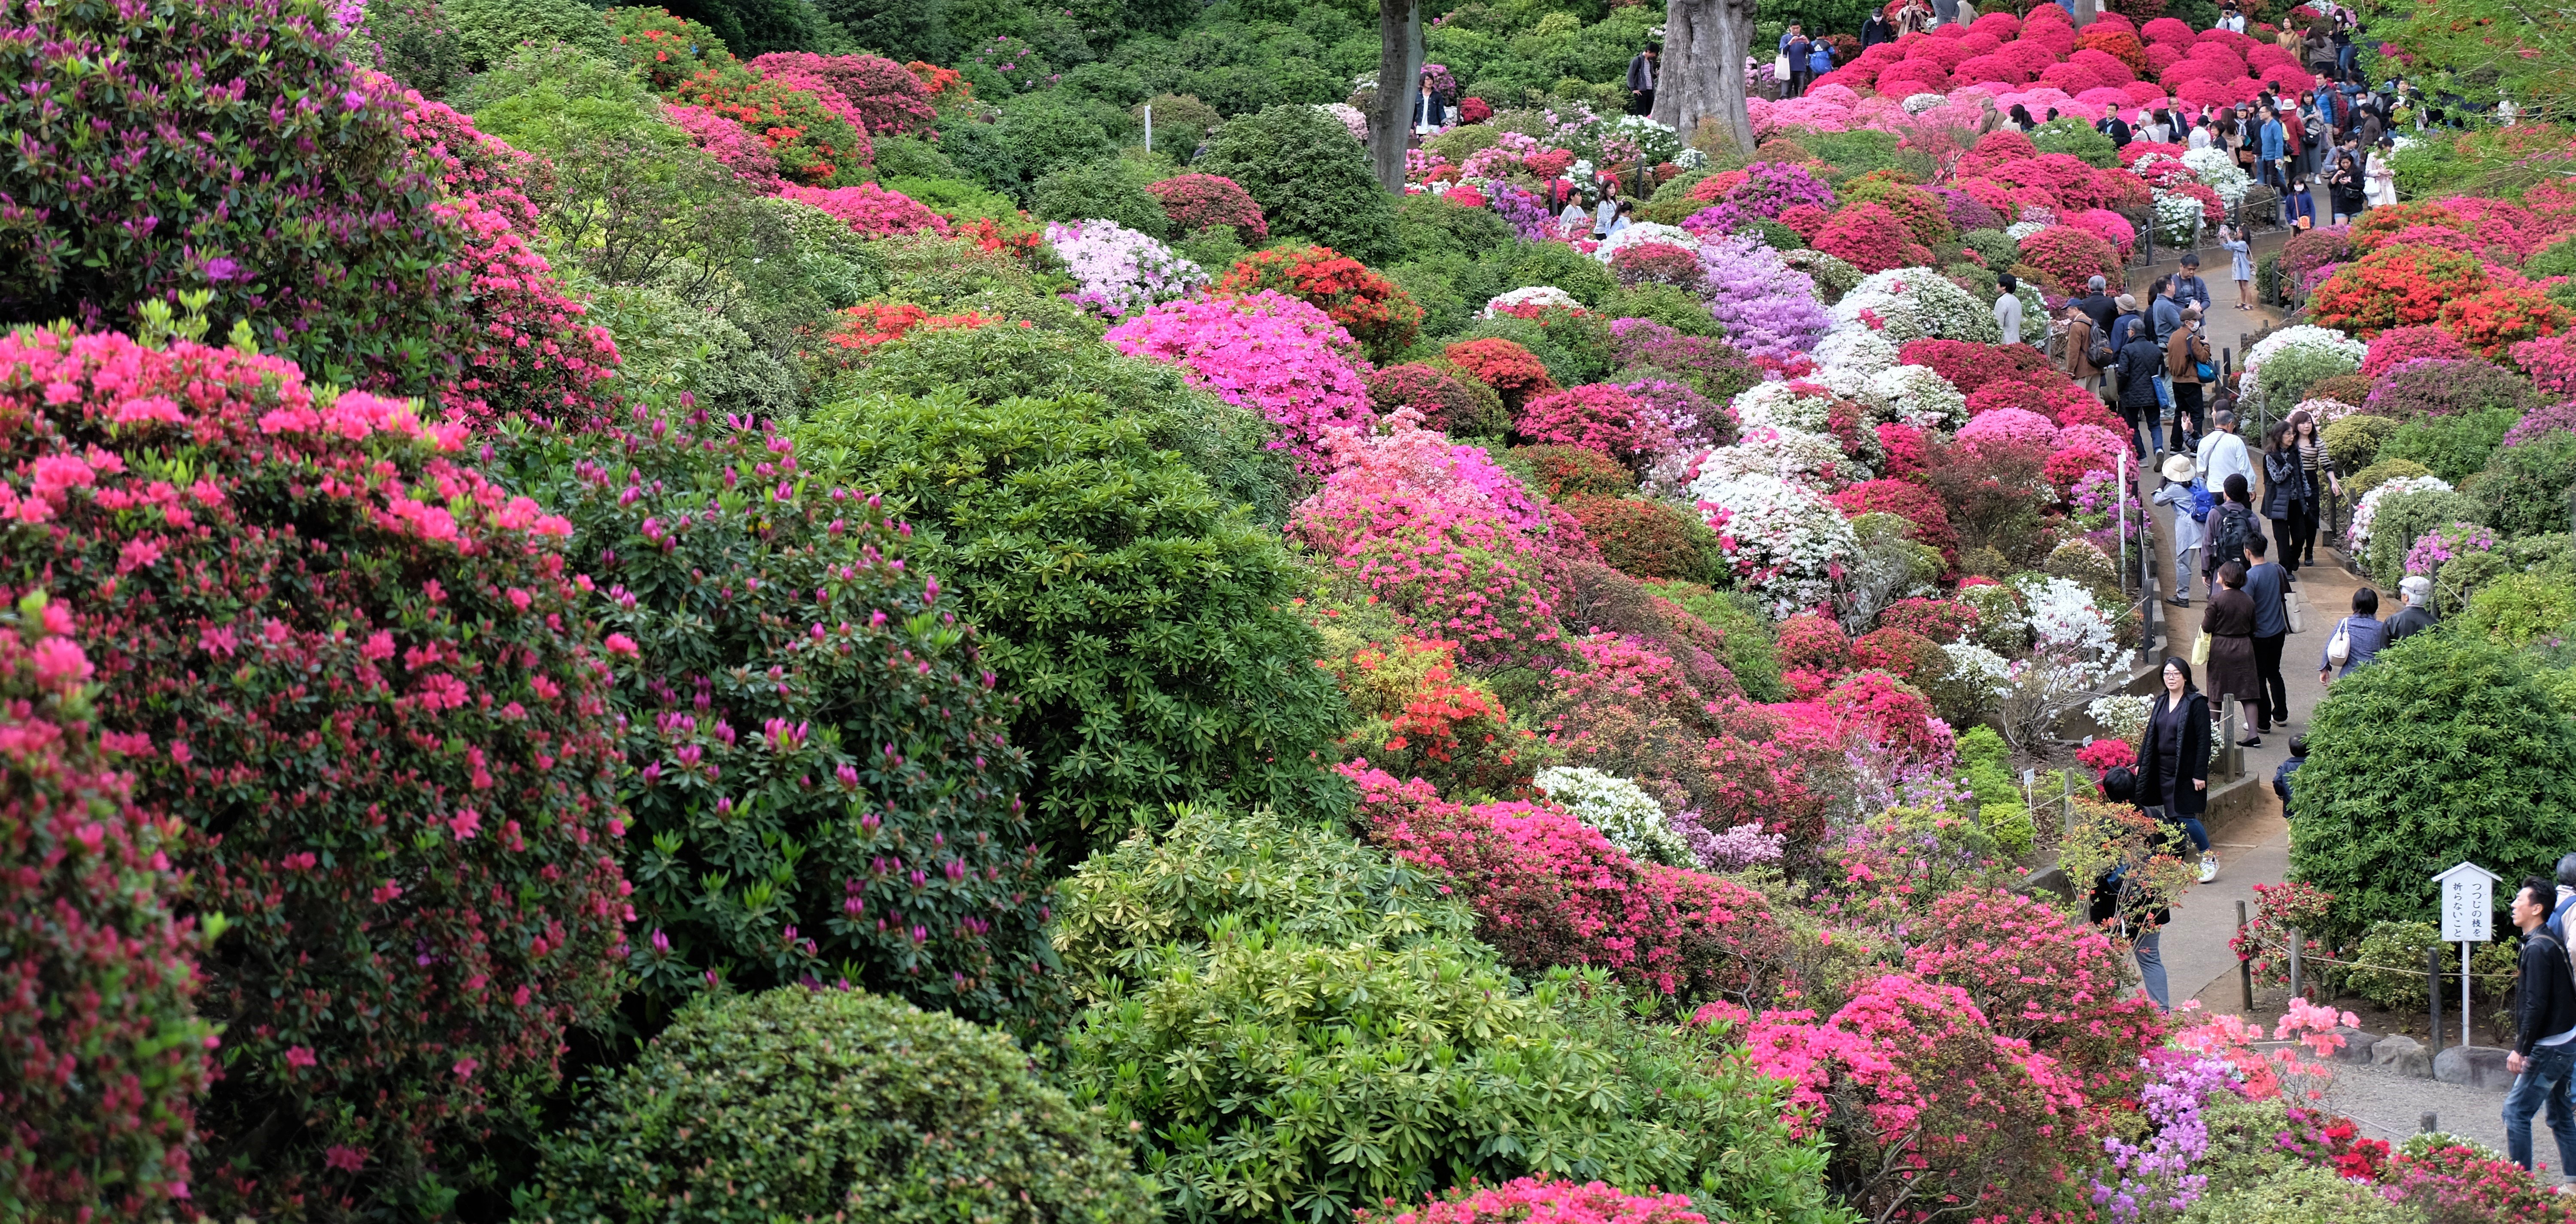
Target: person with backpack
2187,367
2125,902
2189,499
2086,352
2543,1061
2230,523
2354,640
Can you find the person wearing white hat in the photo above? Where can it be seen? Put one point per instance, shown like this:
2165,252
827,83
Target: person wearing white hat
2190,500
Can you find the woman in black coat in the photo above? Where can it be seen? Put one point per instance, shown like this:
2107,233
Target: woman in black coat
2288,499
2173,760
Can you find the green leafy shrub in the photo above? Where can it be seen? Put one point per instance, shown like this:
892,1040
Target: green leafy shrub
2300,1193
2519,609
2074,136
2382,472
1226,443
1669,305
1995,246
415,43
1748,640
105,1055
2403,518
1429,225
1297,998
2451,447
1554,263
2388,966
358,674
1141,619
2525,487
554,99
2353,442
490,31
813,735
805,1103
2445,748
1310,178
1180,123
665,345
1109,190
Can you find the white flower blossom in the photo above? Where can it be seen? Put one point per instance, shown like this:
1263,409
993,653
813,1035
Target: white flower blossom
1532,295
1786,541
1620,809
2368,511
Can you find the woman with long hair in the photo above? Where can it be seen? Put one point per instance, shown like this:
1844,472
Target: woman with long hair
2288,499
2173,760
2345,187
2301,548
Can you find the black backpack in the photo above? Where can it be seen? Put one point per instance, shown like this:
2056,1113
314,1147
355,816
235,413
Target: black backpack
2227,538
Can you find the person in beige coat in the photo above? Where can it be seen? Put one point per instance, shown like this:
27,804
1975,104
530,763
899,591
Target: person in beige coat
2079,348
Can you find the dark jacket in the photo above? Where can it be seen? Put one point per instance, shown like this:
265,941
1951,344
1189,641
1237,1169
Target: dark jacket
2115,128
2140,360
2229,622
2408,621
2281,779
2544,1000
2285,483
2263,586
2172,753
2101,309
2192,291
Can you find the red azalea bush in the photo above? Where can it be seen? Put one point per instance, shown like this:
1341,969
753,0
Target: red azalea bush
1474,110
2457,1182
1596,416
887,98
1906,499
1908,1077
2377,226
1556,1202
663,49
1512,371
2045,978
867,326
1197,201
2120,45
1899,652
334,637
1382,317
1814,643
1892,715
2394,287
814,145
1870,238
530,350
1941,620
1907,453
1419,719
1969,365
2071,257
2398,345
1993,149
1656,263
869,209
2104,755
1446,404
105,1055
2306,252
1805,220
1549,890
2492,321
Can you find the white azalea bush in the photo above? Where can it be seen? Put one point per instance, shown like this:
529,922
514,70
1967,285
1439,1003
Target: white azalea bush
2368,511
1860,351
1799,405
2075,653
1641,232
1907,304
2217,169
1120,270
1809,460
1788,544
2291,360
1528,296
2122,717
1917,396
1620,809
2177,220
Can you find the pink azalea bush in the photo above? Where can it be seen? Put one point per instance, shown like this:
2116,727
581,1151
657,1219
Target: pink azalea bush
1554,1202
2398,345
1267,351
871,210
2010,427
884,97
733,146
1599,417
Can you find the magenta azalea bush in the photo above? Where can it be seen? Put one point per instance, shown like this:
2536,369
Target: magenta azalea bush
730,144
1269,352
871,210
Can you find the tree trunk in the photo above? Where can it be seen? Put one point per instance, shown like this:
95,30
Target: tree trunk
2085,12
1399,83
1705,42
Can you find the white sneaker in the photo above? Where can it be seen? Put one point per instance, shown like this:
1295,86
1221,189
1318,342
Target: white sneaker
2208,868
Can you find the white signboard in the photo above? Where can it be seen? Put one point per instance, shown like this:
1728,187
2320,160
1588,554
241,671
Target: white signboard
2468,904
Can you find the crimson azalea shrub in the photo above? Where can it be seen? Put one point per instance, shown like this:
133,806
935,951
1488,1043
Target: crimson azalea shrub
1941,620
2071,257
1381,317
357,673
1813,643
1549,890
814,718
889,99
2376,226
2394,287
1900,652
1993,149
1141,620
1650,539
1870,238
1197,201
1459,407
1907,499
105,1055
1529,1198
1969,365
1892,714
2306,252
393,301
1423,720
2044,978
814,143
1657,263
869,209
1512,371
1596,417
1926,1104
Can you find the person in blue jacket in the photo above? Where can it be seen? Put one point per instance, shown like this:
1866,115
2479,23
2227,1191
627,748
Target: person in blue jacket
2281,776
1820,59
2275,149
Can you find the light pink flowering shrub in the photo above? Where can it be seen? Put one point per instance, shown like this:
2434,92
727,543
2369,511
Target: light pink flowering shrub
1268,351
1598,417
2045,978
2011,427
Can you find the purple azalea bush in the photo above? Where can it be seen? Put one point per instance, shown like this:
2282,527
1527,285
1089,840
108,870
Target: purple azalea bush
1768,308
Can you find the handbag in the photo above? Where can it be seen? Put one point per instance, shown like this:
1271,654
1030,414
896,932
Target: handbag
2204,371
1780,67
2200,650
2290,605
2339,650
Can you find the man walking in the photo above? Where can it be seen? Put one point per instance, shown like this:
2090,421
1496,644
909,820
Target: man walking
1641,80
2264,582
2080,338
2414,618
2098,306
2138,365
2544,1021
2008,307
2188,289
